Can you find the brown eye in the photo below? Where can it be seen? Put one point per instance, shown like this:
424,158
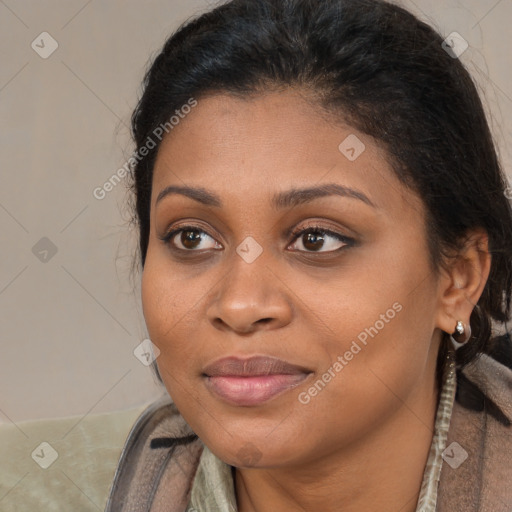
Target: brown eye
190,238
317,239
313,241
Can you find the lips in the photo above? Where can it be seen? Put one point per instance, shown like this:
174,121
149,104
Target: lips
254,366
252,381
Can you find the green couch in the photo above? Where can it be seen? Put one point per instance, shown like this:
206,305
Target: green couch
62,465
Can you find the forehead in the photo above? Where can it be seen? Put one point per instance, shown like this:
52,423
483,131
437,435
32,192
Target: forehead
245,146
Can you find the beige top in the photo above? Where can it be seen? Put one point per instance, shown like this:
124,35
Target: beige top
213,488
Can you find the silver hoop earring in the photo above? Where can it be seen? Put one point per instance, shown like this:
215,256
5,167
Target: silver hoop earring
462,332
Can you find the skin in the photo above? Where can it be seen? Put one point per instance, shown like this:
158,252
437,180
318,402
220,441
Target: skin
362,442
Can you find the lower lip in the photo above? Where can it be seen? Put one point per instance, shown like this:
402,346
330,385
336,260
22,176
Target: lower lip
256,390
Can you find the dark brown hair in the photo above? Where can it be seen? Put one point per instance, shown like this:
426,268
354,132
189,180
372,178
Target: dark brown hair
381,70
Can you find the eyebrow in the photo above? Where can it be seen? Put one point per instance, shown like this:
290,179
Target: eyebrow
288,199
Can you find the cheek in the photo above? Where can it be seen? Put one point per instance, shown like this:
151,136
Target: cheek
380,327
168,304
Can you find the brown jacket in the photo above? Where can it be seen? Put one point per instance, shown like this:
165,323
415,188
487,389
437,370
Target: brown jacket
158,463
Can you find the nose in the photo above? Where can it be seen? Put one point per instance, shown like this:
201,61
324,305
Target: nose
249,298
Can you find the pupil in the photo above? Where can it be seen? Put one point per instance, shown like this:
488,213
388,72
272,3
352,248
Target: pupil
188,238
312,238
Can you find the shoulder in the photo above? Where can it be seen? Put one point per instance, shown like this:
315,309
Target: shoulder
157,464
477,459
486,383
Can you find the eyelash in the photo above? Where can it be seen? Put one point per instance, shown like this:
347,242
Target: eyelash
295,233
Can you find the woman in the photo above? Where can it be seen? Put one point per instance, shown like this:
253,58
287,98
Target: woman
321,213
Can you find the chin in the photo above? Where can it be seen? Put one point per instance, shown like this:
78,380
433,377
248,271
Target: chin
254,449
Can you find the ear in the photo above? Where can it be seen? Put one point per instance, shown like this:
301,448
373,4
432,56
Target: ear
462,283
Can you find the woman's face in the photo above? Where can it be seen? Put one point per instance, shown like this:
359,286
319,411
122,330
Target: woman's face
351,305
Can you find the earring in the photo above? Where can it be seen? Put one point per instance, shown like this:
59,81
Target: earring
462,333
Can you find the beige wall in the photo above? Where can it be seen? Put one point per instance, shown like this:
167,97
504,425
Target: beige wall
68,326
